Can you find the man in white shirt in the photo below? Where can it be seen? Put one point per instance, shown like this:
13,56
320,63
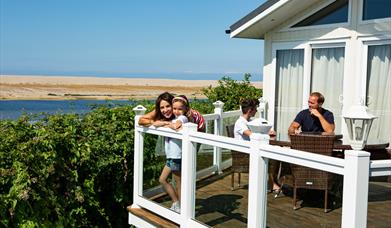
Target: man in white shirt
249,109
242,132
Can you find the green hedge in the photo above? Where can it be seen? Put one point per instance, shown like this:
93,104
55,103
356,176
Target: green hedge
68,170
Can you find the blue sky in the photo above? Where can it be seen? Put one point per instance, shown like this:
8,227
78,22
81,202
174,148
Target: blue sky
169,39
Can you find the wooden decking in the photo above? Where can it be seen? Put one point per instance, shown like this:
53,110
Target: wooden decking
218,206
152,218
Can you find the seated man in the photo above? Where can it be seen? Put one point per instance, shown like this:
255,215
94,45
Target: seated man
313,119
242,132
249,109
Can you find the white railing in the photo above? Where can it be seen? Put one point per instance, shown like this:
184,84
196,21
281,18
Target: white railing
356,169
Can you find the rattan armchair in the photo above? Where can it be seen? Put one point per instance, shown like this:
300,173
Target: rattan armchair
240,161
309,178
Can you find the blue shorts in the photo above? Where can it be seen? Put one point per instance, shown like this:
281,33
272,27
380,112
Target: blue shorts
174,164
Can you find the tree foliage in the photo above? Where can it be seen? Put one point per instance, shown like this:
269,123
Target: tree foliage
231,92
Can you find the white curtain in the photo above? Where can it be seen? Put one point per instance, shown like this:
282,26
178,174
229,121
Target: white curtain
327,78
289,87
379,90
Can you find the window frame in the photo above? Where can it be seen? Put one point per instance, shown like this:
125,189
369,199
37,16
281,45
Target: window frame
332,25
365,44
361,21
307,66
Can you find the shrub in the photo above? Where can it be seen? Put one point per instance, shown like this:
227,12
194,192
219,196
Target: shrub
68,170
231,92
72,170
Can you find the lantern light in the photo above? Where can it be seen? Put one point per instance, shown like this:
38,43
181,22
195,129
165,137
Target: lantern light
359,123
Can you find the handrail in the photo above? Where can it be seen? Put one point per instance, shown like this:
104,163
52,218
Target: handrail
380,168
212,116
232,113
355,167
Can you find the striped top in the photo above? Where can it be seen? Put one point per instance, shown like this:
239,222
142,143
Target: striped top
198,119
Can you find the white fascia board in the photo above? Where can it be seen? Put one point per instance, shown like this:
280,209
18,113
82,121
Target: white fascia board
259,17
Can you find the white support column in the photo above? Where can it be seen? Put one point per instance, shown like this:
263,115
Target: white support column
218,130
355,189
138,156
188,176
257,193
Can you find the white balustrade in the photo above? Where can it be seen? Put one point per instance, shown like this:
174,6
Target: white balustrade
356,169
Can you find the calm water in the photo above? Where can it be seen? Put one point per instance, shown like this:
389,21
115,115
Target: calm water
12,109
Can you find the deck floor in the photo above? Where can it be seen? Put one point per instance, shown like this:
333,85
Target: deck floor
218,206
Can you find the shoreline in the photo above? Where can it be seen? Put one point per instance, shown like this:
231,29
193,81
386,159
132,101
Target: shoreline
34,87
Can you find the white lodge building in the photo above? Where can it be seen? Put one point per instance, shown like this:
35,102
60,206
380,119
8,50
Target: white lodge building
341,48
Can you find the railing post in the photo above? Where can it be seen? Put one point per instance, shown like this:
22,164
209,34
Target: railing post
188,175
262,108
257,193
138,156
218,130
355,189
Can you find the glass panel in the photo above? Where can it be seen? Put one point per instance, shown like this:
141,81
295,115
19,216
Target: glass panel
310,199
217,205
327,78
374,9
336,12
289,87
379,202
379,90
205,152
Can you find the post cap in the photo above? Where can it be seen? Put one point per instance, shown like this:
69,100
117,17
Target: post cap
359,112
139,110
218,104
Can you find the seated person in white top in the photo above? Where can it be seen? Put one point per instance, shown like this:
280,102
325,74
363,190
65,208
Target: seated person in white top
249,109
242,132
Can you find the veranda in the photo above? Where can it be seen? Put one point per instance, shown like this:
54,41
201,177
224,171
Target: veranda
356,169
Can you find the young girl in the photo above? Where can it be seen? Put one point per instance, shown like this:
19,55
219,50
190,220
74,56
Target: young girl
173,148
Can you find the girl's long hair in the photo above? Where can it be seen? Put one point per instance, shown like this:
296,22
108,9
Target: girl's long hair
166,96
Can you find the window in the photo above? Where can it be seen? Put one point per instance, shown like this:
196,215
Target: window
378,90
336,12
375,9
289,87
327,78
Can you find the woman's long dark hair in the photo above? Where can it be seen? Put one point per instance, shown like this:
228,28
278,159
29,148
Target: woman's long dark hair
166,96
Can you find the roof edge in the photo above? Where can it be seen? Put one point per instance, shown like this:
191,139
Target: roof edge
253,14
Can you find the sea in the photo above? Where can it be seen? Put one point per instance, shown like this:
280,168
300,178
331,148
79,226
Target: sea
13,109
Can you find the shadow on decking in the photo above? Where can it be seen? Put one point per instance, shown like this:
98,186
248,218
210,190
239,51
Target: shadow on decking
218,206
225,205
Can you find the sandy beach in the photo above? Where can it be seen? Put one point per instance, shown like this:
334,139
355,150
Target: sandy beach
33,87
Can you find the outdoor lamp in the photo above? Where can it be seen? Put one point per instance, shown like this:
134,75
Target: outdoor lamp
359,123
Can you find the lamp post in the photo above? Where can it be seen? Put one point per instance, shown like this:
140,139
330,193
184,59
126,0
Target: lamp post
359,123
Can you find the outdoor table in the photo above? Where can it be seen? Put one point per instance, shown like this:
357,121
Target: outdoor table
377,148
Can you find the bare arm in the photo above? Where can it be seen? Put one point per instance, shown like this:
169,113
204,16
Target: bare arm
247,132
149,120
293,128
327,127
175,126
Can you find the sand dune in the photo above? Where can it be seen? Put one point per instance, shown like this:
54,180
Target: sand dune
64,87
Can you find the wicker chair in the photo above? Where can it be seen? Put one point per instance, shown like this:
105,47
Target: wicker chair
309,178
240,161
